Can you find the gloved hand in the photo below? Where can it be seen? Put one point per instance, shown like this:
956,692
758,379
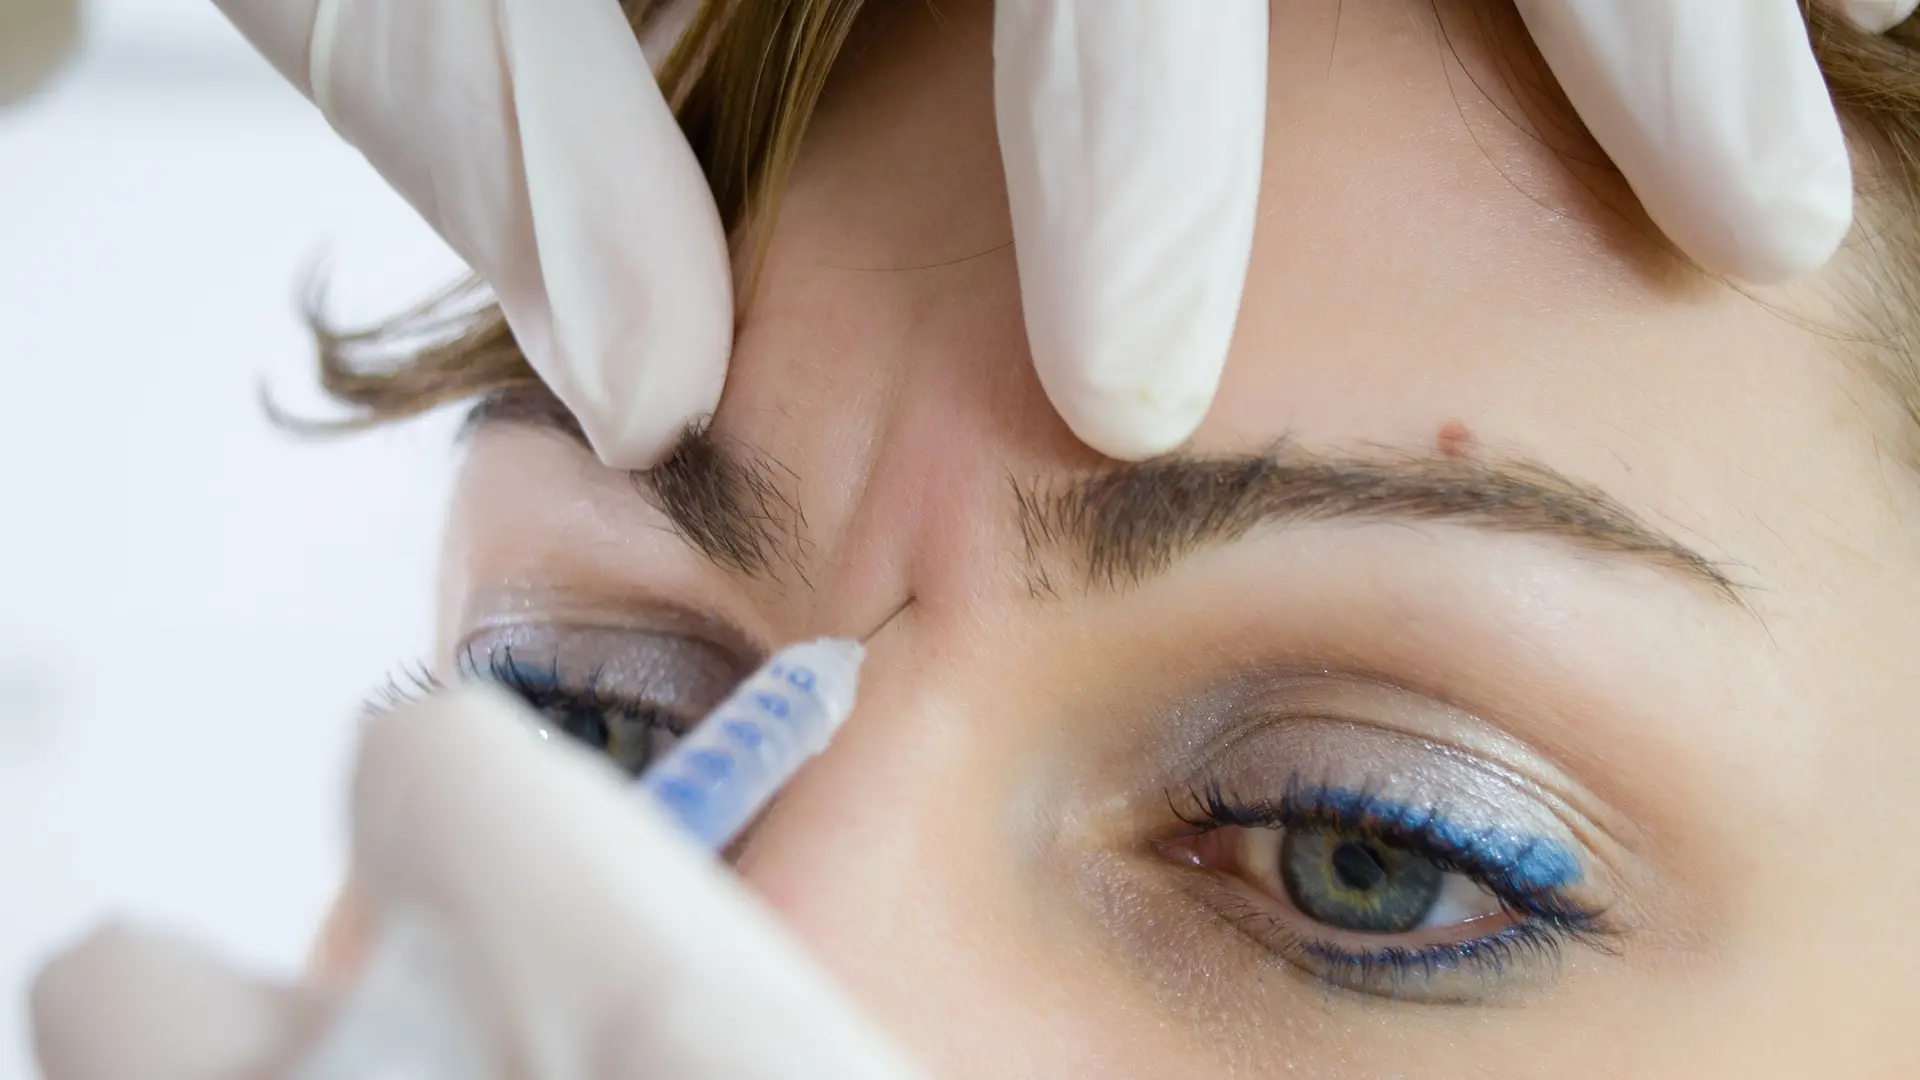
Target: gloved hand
1131,132
37,38
1716,112
543,922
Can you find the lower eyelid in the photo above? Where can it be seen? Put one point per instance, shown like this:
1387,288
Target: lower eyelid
1278,925
1471,949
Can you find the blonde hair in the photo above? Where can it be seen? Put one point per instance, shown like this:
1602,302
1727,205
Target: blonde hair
744,81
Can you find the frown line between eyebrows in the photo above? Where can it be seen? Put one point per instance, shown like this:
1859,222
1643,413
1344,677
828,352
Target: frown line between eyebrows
1120,527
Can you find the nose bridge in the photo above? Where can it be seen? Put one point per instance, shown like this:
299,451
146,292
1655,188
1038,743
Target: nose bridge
883,855
843,849
935,518
906,859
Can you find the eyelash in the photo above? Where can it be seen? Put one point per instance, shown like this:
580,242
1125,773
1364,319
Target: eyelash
1545,919
541,689
405,684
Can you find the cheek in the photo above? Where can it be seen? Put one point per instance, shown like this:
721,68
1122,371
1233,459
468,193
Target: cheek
901,861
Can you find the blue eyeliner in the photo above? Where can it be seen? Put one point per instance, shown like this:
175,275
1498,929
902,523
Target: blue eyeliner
1529,875
1511,862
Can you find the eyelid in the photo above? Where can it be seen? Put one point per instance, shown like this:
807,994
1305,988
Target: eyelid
608,604
1254,692
1270,726
682,674
1534,923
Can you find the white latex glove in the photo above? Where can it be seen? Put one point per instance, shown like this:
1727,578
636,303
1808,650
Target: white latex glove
1716,112
549,924
1131,132
37,38
531,135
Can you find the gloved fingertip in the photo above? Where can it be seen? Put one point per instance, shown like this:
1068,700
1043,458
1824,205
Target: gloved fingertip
635,278
1131,296
637,439
533,874
1873,16
1787,238
635,391
402,753
129,1002
1718,115
448,790
1129,422
1767,226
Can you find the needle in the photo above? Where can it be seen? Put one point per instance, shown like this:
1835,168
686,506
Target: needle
904,605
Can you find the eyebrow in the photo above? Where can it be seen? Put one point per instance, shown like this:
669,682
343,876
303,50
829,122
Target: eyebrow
729,502
1125,525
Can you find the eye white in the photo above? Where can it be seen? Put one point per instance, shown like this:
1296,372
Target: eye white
1461,900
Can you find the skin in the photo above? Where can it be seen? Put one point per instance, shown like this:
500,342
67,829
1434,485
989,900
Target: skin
1734,776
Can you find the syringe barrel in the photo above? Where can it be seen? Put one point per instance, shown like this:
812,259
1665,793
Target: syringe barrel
724,771
410,1009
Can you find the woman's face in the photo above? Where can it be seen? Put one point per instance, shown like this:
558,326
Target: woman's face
1513,677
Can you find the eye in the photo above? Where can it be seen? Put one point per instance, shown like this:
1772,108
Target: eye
1350,880
631,733
1354,881
629,694
1384,898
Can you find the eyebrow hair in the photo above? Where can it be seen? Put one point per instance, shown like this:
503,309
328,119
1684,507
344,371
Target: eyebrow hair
1124,525
727,501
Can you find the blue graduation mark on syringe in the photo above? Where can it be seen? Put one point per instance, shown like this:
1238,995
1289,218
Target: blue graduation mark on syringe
724,771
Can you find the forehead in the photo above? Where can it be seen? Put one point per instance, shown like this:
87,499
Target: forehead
1436,245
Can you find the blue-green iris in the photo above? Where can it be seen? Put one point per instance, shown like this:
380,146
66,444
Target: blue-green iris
1353,881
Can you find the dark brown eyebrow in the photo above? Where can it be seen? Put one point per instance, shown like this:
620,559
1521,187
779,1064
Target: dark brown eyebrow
730,503
1124,525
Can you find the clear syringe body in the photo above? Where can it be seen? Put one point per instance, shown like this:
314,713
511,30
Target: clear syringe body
717,777
410,1014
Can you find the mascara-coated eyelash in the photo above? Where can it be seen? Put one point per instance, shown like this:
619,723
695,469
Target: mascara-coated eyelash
405,684
1529,878
631,732
539,686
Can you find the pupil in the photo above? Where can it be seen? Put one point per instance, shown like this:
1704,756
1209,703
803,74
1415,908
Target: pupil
590,727
1350,880
1358,867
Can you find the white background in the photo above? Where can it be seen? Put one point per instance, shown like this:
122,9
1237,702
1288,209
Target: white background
191,603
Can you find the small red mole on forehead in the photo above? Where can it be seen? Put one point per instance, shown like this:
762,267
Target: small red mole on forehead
1455,440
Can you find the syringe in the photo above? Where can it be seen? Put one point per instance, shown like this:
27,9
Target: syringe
723,772
409,1014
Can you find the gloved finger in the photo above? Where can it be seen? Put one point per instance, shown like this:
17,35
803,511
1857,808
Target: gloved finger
1873,16
1717,114
1131,133
532,136
599,926
128,1002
